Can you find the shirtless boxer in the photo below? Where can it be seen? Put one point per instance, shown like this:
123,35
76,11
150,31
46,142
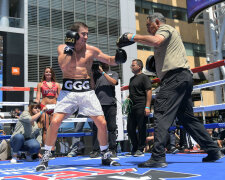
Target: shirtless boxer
75,59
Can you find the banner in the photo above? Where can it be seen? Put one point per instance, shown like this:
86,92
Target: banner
194,7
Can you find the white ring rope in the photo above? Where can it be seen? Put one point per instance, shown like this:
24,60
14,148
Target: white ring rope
65,120
14,103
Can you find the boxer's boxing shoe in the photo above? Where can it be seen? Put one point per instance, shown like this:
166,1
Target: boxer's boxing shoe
44,161
106,160
213,156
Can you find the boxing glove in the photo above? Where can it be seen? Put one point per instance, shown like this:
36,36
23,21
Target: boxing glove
123,41
150,64
121,56
70,41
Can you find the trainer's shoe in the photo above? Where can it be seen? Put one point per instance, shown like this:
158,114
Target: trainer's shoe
213,156
44,161
173,151
94,154
106,160
73,152
130,153
138,153
152,164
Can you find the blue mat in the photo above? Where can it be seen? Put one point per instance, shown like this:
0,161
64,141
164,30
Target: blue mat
180,166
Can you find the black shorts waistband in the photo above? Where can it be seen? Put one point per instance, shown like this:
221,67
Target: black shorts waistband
76,85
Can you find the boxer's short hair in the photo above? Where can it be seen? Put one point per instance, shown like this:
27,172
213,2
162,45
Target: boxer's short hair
76,26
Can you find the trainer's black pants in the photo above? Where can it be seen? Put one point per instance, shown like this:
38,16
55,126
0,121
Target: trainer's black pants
110,112
174,100
137,120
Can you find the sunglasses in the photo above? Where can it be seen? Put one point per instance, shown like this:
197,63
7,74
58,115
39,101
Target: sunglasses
36,107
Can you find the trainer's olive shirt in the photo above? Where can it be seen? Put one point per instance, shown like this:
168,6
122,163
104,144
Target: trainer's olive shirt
171,53
25,127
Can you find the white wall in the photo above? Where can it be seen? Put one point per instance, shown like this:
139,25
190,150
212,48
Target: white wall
128,24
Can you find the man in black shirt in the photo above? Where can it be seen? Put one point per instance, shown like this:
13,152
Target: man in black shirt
140,94
105,81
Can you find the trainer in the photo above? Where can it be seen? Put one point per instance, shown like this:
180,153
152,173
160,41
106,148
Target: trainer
75,59
174,97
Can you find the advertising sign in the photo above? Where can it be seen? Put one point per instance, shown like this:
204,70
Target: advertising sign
194,7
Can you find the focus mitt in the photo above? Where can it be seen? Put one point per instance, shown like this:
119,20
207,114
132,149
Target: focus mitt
150,64
123,41
121,56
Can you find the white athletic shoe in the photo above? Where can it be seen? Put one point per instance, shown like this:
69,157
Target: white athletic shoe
13,160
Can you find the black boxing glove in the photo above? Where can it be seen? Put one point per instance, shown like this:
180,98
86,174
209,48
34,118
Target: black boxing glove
70,40
123,41
121,56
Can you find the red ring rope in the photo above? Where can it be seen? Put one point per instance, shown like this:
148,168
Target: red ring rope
194,70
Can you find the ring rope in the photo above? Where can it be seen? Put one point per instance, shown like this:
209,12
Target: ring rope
207,126
59,135
210,84
196,109
10,88
65,120
194,70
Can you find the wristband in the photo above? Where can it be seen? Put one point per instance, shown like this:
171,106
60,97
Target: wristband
147,107
103,73
132,38
41,112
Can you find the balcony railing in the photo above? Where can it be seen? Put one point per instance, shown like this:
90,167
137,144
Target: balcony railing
14,22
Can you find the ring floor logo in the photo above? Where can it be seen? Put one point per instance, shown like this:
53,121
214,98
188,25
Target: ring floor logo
180,166
93,174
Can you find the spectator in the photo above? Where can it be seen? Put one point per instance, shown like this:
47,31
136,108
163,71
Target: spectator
17,113
105,81
140,94
14,114
27,136
77,144
4,150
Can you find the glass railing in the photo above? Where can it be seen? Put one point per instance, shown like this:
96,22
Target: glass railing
14,22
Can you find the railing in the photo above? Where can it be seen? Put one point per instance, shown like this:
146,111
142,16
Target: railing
14,22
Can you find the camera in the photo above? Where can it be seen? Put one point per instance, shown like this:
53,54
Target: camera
95,66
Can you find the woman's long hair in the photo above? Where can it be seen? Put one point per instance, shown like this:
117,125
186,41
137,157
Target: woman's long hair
53,78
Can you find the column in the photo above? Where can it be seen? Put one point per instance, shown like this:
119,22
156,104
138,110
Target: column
4,13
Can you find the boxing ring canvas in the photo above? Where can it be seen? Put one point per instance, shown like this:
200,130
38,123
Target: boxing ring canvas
180,166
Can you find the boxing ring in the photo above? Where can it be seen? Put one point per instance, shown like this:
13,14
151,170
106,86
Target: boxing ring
201,109
82,167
